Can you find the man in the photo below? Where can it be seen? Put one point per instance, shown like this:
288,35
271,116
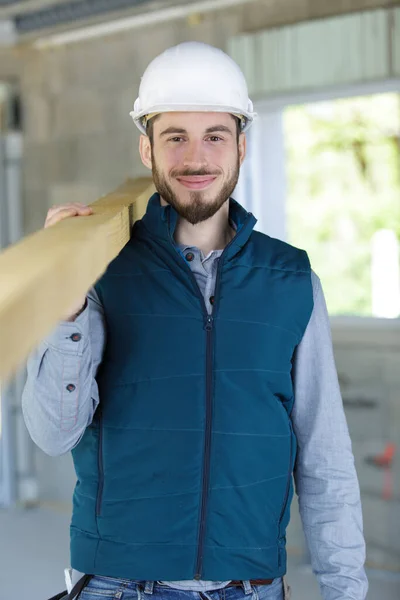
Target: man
198,377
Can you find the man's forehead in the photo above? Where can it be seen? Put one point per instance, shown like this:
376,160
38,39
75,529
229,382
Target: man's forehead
194,120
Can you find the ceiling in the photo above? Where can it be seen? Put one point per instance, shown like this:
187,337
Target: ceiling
35,16
69,13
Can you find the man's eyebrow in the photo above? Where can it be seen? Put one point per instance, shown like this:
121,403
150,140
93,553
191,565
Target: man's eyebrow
220,128
213,129
172,130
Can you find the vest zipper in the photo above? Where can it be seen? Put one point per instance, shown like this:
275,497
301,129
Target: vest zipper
209,328
100,468
207,445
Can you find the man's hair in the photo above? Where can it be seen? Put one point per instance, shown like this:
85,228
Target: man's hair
150,127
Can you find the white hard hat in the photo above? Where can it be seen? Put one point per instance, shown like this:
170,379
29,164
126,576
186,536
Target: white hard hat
193,77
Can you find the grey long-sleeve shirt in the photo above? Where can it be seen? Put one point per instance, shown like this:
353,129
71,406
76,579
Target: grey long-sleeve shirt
325,476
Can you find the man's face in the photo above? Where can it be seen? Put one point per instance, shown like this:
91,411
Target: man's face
195,159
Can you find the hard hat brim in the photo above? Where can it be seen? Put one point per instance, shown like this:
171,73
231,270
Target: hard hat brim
137,116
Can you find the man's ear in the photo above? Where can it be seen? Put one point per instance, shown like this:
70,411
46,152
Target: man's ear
145,151
242,145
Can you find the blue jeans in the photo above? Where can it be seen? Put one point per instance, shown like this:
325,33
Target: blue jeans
123,589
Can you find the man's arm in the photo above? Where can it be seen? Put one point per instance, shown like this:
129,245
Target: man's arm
61,394
325,475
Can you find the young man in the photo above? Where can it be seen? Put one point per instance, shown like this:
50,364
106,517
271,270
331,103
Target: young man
198,377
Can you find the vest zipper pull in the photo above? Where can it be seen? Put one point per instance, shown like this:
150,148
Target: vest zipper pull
209,323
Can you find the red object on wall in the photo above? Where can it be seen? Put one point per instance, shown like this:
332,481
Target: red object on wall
386,458
385,461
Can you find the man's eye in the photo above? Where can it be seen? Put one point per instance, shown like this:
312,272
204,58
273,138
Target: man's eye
215,138
175,139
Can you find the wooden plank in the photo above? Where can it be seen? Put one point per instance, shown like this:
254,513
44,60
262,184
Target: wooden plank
43,275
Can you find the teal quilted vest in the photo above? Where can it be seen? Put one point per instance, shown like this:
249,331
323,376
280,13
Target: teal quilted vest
186,469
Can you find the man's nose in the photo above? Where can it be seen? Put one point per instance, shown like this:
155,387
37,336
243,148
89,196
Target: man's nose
195,155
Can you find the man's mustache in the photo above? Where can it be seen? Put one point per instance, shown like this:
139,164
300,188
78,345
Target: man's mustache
198,173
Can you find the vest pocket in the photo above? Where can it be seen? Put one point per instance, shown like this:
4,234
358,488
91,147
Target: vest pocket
281,535
289,476
100,469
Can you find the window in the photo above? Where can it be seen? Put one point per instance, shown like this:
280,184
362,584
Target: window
343,198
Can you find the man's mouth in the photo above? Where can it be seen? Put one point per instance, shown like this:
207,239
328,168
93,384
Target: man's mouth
197,182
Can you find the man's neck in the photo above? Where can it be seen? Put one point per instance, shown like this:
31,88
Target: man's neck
213,234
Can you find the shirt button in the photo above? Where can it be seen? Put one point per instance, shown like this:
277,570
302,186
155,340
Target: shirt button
76,337
71,387
211,299
189,256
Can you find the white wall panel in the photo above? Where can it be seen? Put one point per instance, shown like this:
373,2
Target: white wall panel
337,51
375,44
396,41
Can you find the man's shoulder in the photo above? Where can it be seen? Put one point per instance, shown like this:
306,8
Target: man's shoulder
280,254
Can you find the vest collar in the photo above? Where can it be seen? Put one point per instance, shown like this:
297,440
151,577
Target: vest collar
160,221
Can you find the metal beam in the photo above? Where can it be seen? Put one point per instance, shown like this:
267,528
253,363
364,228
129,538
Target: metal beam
11,8
69,13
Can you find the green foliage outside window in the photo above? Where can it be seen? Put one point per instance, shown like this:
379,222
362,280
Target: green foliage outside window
343,168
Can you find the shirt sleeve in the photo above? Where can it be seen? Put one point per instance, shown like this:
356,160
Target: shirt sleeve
61,395
325,475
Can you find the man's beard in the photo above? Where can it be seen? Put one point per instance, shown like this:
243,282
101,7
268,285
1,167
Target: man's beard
196,209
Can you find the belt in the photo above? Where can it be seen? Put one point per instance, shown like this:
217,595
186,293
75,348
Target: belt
252,582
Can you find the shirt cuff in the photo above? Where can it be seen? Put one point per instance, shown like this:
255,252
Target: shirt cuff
69,337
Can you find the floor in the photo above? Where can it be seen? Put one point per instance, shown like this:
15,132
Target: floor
34,552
